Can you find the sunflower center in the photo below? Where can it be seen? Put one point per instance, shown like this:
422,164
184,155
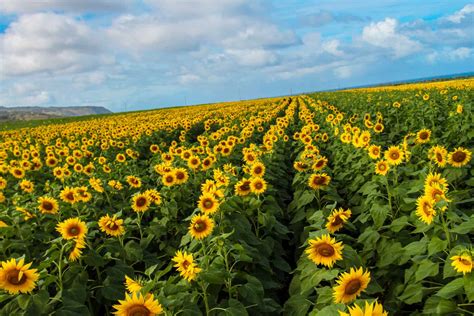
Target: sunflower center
74,231
337,220
394,155
427,209
258,185
424,135
13,277
439,157
208,203
382,167
113,226
326,250
245,186
375,151
258,170
465,262
70,196
459,156
138,310
186,264
200,226
319,164
48,206
169,179
141,201
352,287
318,180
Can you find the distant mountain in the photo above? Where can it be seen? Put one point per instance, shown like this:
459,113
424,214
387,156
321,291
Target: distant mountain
24,113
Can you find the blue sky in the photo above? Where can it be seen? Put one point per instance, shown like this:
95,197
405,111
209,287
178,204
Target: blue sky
143,54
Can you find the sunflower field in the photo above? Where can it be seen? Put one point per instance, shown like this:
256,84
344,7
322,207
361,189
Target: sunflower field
354,202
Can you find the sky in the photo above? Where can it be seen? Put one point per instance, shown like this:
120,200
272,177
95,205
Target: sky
142,54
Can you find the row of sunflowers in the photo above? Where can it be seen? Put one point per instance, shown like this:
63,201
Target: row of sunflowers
355,202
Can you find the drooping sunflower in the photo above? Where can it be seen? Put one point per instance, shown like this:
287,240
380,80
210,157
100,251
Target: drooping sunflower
77,250
436,193
137,305
258,185
382,167
141,202
372,309
393,155
69,195
318,180
17,277
324,250
462,263
27,186
48,205
425,209
459,157
72,228
208,204
319,164
131,285
111,225
201,226
439,155
154,195
436,179
337,219
82,194
350,285
300,166
374,151
423,136
185,265
242,188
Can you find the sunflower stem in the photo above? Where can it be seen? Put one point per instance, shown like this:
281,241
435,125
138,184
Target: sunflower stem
389,195
139,224
446,230
204,296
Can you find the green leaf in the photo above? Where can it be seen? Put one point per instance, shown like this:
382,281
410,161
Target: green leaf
133,251
399,223
426,269
306,198
379,213
452,288
436,245
439,306
469,286
23,301
413,294
297,305
465,227
235,308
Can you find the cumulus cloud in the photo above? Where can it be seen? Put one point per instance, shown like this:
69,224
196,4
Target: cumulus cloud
28,6
52,43
464,14
384,34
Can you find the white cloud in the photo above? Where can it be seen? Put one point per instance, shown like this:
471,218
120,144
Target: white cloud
460,15
384,34
51,43
454,54
332,47
253,57
31,6
188,78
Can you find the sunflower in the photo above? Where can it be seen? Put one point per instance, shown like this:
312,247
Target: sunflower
436,179
3,183
77,250
134,182
257,169
16,277
320,164
423,136
382,167
425,209
324,250
194,162
242,188
374,151
378,128
258,185
393,155
154,195
439,155
82,194
169,178
132,285
137,305
72,228
185,265
27,186
68,195
462,263
459,157
18,173
48,205
141,202
181,175
120,158
436,193
350,285
201,226
300,166
337,219
208,203
372,309
111,225
317,180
